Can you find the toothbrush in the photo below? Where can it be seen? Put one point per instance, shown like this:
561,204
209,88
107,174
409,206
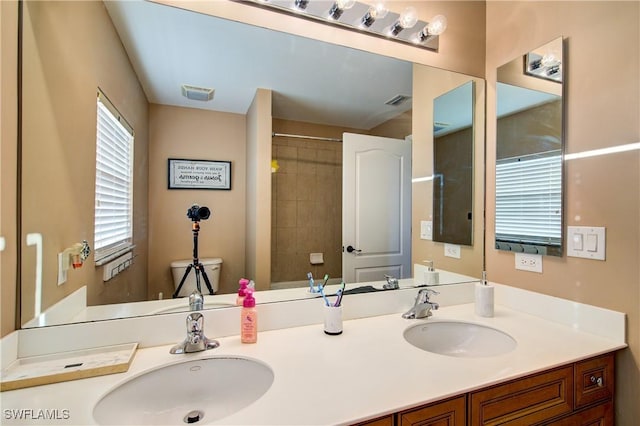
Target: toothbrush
326,301
339,299
340,293
326,278
311,284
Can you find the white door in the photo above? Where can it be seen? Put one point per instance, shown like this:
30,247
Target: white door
376,208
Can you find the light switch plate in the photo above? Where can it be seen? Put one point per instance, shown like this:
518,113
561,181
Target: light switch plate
426,230
452,250
588,242
529,262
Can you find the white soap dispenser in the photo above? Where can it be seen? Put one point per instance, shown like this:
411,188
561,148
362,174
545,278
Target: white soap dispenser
431,276
484,297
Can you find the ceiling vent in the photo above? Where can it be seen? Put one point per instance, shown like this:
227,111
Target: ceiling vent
397,100
197,93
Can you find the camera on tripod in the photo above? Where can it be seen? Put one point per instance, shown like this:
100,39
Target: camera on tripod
197,213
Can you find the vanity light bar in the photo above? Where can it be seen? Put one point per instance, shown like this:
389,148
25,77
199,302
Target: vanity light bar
357,16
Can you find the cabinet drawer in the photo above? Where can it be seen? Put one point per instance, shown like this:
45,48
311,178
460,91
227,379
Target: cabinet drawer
599,415
525,401
447,413
594,380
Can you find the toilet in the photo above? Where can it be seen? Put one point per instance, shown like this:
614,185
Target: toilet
212,268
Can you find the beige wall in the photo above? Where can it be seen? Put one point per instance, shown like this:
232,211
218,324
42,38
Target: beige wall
603,110
61,73
8,162
430,83
195,134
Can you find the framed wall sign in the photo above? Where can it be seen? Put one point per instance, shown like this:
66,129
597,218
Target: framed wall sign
199,174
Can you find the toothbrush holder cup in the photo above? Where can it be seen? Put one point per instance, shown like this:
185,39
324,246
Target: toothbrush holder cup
333,320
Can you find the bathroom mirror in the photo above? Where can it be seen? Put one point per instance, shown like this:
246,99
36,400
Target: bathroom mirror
453,166
70,49
529,158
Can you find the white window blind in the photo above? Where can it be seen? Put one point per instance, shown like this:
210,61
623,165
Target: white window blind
113,228
529,199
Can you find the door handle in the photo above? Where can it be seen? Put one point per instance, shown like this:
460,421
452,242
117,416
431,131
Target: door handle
350,249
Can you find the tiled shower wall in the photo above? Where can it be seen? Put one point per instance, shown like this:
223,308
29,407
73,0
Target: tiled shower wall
306,208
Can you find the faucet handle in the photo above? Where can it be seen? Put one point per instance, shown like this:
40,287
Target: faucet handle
424,294
196,301
392,283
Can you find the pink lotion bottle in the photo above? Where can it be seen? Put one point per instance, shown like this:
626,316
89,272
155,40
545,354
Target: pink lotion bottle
249,319
242,291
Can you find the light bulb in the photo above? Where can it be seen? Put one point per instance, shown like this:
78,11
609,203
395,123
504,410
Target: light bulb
408,17
378,10
437,25
550,59
345,4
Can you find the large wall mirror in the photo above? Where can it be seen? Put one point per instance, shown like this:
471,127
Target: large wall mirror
139,54
530,152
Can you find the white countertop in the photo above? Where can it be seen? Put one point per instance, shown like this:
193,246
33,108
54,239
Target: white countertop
368,371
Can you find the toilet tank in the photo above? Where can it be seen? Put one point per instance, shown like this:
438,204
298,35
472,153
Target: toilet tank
212,268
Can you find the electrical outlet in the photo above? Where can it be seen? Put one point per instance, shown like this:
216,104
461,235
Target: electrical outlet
452,250
529,262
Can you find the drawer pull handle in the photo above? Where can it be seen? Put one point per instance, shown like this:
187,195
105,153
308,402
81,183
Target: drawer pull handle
596,380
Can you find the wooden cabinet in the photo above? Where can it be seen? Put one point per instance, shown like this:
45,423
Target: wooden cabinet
594,380
567,395
447,413
524,401
578,394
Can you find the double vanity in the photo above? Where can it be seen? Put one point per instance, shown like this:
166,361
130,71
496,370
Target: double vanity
537,359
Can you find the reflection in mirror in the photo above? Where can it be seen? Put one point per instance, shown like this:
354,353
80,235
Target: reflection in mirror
453,166
139,54
529,153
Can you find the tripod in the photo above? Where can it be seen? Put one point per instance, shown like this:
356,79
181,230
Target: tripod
196,265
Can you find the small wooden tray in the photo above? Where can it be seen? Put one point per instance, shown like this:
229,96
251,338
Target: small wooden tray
65,366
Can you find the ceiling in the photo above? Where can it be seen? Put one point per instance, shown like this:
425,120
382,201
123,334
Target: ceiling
311,81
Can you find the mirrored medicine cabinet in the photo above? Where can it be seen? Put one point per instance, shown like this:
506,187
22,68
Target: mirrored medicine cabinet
529,155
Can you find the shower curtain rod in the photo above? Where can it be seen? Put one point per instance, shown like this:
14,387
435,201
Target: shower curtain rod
317,138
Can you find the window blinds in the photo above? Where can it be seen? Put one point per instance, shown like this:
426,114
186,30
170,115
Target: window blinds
529,199
114,178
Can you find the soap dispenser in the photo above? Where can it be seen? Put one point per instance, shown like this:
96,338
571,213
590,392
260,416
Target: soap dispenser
242,291
431,277
484,297
249,319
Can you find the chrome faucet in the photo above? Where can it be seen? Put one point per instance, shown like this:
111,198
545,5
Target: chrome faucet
195,341
392,283
196,301
422,306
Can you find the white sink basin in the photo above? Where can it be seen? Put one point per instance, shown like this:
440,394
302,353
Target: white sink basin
205,389
459,339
